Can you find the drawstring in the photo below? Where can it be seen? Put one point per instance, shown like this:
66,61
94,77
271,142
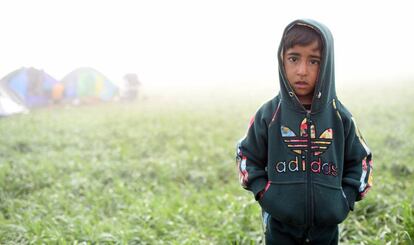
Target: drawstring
319,95
292,94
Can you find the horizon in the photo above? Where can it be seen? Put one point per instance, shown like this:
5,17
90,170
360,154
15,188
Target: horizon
194,43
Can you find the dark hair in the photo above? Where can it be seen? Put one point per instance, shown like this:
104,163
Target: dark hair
301,35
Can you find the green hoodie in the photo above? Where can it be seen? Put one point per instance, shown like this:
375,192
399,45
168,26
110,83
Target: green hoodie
306,168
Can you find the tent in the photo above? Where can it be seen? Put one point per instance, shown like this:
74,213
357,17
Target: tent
33,87
9,105
86,84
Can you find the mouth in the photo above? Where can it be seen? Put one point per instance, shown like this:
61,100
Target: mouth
301,84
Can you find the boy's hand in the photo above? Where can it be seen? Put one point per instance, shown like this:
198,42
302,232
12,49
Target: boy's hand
260,194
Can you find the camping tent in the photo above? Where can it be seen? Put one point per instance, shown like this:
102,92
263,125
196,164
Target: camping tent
9,105
34,87
87,84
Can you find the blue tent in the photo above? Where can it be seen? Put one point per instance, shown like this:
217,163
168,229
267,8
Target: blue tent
33,87
87,84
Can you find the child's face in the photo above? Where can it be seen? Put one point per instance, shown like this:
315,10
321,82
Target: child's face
302,69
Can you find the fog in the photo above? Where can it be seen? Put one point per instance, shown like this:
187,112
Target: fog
198,44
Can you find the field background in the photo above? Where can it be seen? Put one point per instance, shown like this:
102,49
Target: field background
162,170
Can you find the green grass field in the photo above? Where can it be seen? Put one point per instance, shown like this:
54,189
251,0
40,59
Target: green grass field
162,171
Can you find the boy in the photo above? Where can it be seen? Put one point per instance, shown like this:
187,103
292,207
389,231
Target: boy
303,157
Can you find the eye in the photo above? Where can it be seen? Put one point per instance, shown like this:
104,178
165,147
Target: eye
293,59
315,62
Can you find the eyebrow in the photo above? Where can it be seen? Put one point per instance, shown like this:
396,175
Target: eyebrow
293,53
297,54
315,56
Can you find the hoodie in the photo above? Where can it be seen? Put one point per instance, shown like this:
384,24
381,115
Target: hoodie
306,168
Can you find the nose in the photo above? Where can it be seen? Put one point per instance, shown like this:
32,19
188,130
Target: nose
302,69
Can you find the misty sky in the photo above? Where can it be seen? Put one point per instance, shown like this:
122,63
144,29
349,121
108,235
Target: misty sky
200,42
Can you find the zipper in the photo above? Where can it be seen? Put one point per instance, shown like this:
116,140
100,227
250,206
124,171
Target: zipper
308,174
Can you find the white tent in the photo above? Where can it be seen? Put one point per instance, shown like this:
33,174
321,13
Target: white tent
8,106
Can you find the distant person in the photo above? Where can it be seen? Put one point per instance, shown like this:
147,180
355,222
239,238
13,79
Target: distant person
303,156
131,87
57,92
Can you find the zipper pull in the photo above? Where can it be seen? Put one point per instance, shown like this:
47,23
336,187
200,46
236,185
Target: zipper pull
308,117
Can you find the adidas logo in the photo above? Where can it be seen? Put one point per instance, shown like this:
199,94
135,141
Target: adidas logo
299,145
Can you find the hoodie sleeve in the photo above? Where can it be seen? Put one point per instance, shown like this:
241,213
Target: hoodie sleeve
357,174
252,155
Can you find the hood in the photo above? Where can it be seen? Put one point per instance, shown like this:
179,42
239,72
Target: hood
325,86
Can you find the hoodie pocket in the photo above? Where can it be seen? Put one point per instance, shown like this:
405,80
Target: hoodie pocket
285,202
331,206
